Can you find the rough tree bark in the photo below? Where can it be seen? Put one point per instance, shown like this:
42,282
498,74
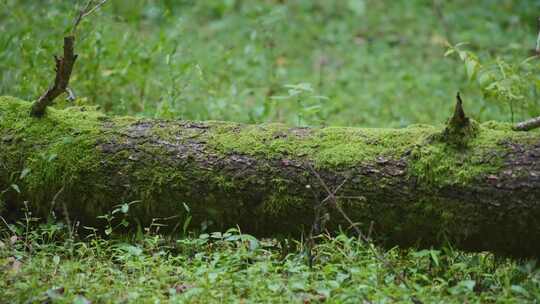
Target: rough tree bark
475,185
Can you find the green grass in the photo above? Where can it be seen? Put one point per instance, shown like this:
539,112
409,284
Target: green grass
42,264
303,62
379,64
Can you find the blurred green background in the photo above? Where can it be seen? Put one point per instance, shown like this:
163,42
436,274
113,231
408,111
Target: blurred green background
303,62
369,63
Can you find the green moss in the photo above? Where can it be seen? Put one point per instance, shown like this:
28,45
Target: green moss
51,149
281,200
60,149
459,136
475,155
438,156
57,145
495,125
326,147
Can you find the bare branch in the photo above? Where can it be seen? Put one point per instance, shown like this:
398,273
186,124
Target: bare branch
64,67
438,10
528,125
379,256
85,12
532,123
333,200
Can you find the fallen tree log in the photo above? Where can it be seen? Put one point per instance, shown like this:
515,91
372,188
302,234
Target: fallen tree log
475,185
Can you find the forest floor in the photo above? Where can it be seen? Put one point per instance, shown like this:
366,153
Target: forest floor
41,264
307,62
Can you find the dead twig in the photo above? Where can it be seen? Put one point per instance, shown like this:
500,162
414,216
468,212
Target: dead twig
85,12
528,125
331,196
319,220
56,196
333,199
67,219
64,65
437,8
532,123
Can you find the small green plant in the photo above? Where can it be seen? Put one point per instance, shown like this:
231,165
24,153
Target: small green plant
505,84
308,104
186,220
123,210
39,264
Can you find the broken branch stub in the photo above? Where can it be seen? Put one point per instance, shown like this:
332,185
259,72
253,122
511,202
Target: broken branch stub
459,128
459,119
528,125
64,67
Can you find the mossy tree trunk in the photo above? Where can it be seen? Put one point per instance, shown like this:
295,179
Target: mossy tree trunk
412,186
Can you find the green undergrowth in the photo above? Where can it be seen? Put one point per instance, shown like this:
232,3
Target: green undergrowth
41,264
376,62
